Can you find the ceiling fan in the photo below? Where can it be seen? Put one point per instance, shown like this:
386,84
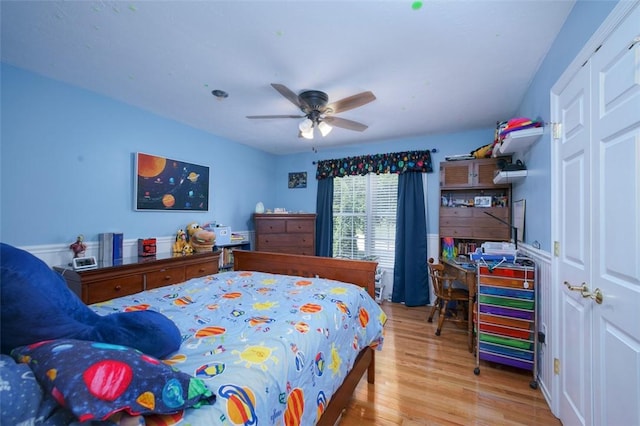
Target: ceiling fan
317,112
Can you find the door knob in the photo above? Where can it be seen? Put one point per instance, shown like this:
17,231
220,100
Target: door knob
596,295
584,291
580,288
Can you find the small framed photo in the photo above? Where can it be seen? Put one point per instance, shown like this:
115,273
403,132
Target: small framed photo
482,201
297,180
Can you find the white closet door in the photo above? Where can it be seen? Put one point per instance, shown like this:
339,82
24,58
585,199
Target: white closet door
573,262
615,257
597,189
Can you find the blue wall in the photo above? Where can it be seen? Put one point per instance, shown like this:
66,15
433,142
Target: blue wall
67,158
67,166
585,18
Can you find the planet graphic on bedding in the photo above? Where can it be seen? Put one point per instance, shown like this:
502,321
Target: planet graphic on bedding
295,407
322,403
208,371
241,403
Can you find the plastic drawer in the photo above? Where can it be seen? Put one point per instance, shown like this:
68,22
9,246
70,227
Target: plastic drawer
506,341
506,331
506,312
506,360
507,292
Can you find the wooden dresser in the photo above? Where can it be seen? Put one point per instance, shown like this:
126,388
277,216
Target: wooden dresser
136,274
286,233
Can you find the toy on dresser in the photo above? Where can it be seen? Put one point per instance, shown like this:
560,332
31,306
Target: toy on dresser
181,245
201,240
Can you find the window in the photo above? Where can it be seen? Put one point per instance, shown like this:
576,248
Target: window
364,217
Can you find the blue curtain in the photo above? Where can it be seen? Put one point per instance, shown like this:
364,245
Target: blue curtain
410,277
324,218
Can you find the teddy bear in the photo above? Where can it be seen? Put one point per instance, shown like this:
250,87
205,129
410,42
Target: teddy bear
200,239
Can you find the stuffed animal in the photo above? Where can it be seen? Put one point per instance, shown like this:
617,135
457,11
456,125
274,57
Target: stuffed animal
181,245
37,305
200,239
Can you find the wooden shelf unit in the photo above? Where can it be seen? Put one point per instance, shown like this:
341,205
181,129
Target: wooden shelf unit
470,226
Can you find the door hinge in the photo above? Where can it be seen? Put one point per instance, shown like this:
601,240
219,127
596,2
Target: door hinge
556,366
556,130
556,248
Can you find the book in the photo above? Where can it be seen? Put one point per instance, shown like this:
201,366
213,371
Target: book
118,242
105,248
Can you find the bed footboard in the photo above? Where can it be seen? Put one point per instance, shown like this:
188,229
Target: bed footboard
359,272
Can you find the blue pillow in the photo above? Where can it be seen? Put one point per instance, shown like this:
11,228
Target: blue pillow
96,380
37,305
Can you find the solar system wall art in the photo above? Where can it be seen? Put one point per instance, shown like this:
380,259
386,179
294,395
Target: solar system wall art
166,184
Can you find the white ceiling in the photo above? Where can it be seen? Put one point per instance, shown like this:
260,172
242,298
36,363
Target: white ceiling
434,66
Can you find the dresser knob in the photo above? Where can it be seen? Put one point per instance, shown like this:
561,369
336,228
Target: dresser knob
118,287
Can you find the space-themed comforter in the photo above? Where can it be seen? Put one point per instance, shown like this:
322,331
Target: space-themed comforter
273,348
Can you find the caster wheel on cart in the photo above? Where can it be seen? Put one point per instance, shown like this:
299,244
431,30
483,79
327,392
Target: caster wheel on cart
476,371
533,384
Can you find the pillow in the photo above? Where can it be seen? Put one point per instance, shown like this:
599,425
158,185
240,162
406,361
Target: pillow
20,394
54,312
95,380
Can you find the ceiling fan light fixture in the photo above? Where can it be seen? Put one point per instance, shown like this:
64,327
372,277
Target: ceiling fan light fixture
307,134
324,128
306,125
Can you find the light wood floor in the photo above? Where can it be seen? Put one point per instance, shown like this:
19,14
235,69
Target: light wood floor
423,379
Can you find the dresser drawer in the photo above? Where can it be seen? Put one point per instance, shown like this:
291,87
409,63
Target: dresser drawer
99,291
165,276
285,240
200,270
300,226
271,226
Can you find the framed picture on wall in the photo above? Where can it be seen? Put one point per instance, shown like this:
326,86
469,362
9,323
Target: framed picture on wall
166,184
297,180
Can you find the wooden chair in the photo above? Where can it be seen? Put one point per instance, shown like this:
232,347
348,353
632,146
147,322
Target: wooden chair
446,292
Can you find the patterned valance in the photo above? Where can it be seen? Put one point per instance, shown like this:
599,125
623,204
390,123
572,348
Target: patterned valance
397,162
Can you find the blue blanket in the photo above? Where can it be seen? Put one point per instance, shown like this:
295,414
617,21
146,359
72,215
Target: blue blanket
273,348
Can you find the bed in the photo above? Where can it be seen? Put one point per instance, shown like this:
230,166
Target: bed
282,339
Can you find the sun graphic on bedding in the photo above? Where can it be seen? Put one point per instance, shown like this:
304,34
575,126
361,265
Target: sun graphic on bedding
338,290
264,306
256,355
336,361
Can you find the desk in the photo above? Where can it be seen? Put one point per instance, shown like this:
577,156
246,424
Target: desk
467,276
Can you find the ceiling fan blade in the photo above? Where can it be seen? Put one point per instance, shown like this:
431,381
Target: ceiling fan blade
351,102
345,124
275,116
287,93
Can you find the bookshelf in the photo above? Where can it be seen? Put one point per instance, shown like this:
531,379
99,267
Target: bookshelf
226,252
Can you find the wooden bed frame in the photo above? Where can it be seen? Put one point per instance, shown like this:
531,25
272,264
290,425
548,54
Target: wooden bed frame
357,272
